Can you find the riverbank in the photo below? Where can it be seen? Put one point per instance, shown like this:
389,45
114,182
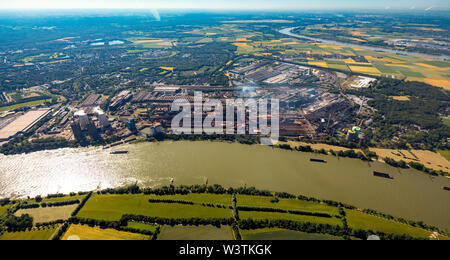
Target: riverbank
429,159
201,205
232,165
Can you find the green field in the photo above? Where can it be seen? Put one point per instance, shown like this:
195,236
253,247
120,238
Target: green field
282,234
79,232
3,209
35,234
446,121
142,226
113,207
27,104
358,220
195,233
198,198
446,154
42,215
257,215
287,204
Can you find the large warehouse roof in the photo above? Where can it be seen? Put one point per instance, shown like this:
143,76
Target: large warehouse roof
22,123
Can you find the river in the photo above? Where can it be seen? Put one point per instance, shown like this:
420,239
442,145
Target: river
411,194
288,32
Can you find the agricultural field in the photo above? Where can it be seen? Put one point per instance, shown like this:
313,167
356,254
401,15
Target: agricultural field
319,146
378,64
282,234
113,207
142,226
195,233
35,234
48,214
143,42
430,159
3,209
286,204
445,154
258,215
80,232
26,104
224,199
358,220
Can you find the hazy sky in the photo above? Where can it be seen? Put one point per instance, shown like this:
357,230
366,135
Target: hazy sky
227,4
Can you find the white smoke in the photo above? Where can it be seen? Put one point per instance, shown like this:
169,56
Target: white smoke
155,14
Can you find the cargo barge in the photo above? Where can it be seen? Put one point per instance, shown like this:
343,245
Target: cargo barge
383,175
119,152
318,160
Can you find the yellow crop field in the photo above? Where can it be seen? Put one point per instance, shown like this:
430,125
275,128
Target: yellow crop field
318,63
357,39
432,67
361,69
167,68
79,232
241,39
241,44
349,61
428,158
358,63
400,98
443,83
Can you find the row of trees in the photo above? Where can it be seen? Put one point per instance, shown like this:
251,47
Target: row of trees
60,203
278,210
14,223
308,227
81,205
218,222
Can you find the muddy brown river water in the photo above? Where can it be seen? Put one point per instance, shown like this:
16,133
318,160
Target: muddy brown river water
411,194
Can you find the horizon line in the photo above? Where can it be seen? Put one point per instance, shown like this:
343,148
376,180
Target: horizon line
229,9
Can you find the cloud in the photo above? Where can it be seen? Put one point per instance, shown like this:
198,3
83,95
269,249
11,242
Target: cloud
429,8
